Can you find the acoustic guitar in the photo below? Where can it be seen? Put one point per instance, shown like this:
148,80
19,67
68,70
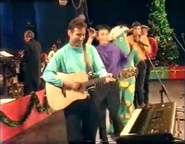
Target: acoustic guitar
60,98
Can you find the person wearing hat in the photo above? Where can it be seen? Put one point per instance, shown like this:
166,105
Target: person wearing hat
152,54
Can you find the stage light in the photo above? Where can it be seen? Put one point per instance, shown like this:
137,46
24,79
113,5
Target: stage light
82,16
63,2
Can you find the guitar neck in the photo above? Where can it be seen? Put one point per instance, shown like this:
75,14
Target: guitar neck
99,80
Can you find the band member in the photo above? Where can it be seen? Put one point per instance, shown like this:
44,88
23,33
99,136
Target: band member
32,59
142,45
108,95
154,49
53,51
127,86
44,61
58,43
80,116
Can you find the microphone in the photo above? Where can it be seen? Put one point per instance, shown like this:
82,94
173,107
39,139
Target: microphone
143,44
137,40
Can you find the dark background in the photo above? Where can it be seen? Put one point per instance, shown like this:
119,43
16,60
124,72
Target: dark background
51,20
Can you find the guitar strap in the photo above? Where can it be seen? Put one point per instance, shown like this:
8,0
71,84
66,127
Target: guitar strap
89,68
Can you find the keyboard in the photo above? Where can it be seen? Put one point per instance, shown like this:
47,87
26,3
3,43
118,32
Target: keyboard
155,118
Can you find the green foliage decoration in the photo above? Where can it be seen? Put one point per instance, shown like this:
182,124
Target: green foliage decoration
160,29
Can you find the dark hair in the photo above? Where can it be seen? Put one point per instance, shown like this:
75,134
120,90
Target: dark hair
43,57
77,23
102,27
57,45
136,24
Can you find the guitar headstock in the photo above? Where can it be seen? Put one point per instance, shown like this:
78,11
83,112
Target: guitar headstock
129,72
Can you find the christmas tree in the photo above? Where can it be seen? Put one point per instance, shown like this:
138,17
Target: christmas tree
161,31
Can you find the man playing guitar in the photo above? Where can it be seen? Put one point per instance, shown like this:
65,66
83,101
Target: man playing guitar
80,116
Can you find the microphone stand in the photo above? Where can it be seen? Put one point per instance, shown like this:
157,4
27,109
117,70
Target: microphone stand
183,38
163,89
176,39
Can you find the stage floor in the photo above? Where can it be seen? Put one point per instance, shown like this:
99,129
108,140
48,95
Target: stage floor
52,129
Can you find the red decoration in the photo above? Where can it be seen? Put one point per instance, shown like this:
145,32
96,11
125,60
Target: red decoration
15,110
176,72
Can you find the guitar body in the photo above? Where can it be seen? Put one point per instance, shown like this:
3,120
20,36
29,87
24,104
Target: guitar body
60,98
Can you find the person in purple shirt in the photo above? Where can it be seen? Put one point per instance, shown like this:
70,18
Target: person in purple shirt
112,57
108,95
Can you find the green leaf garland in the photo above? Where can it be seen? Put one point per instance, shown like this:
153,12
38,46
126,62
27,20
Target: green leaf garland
34,101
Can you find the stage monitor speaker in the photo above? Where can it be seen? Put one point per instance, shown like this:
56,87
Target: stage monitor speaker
149,138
